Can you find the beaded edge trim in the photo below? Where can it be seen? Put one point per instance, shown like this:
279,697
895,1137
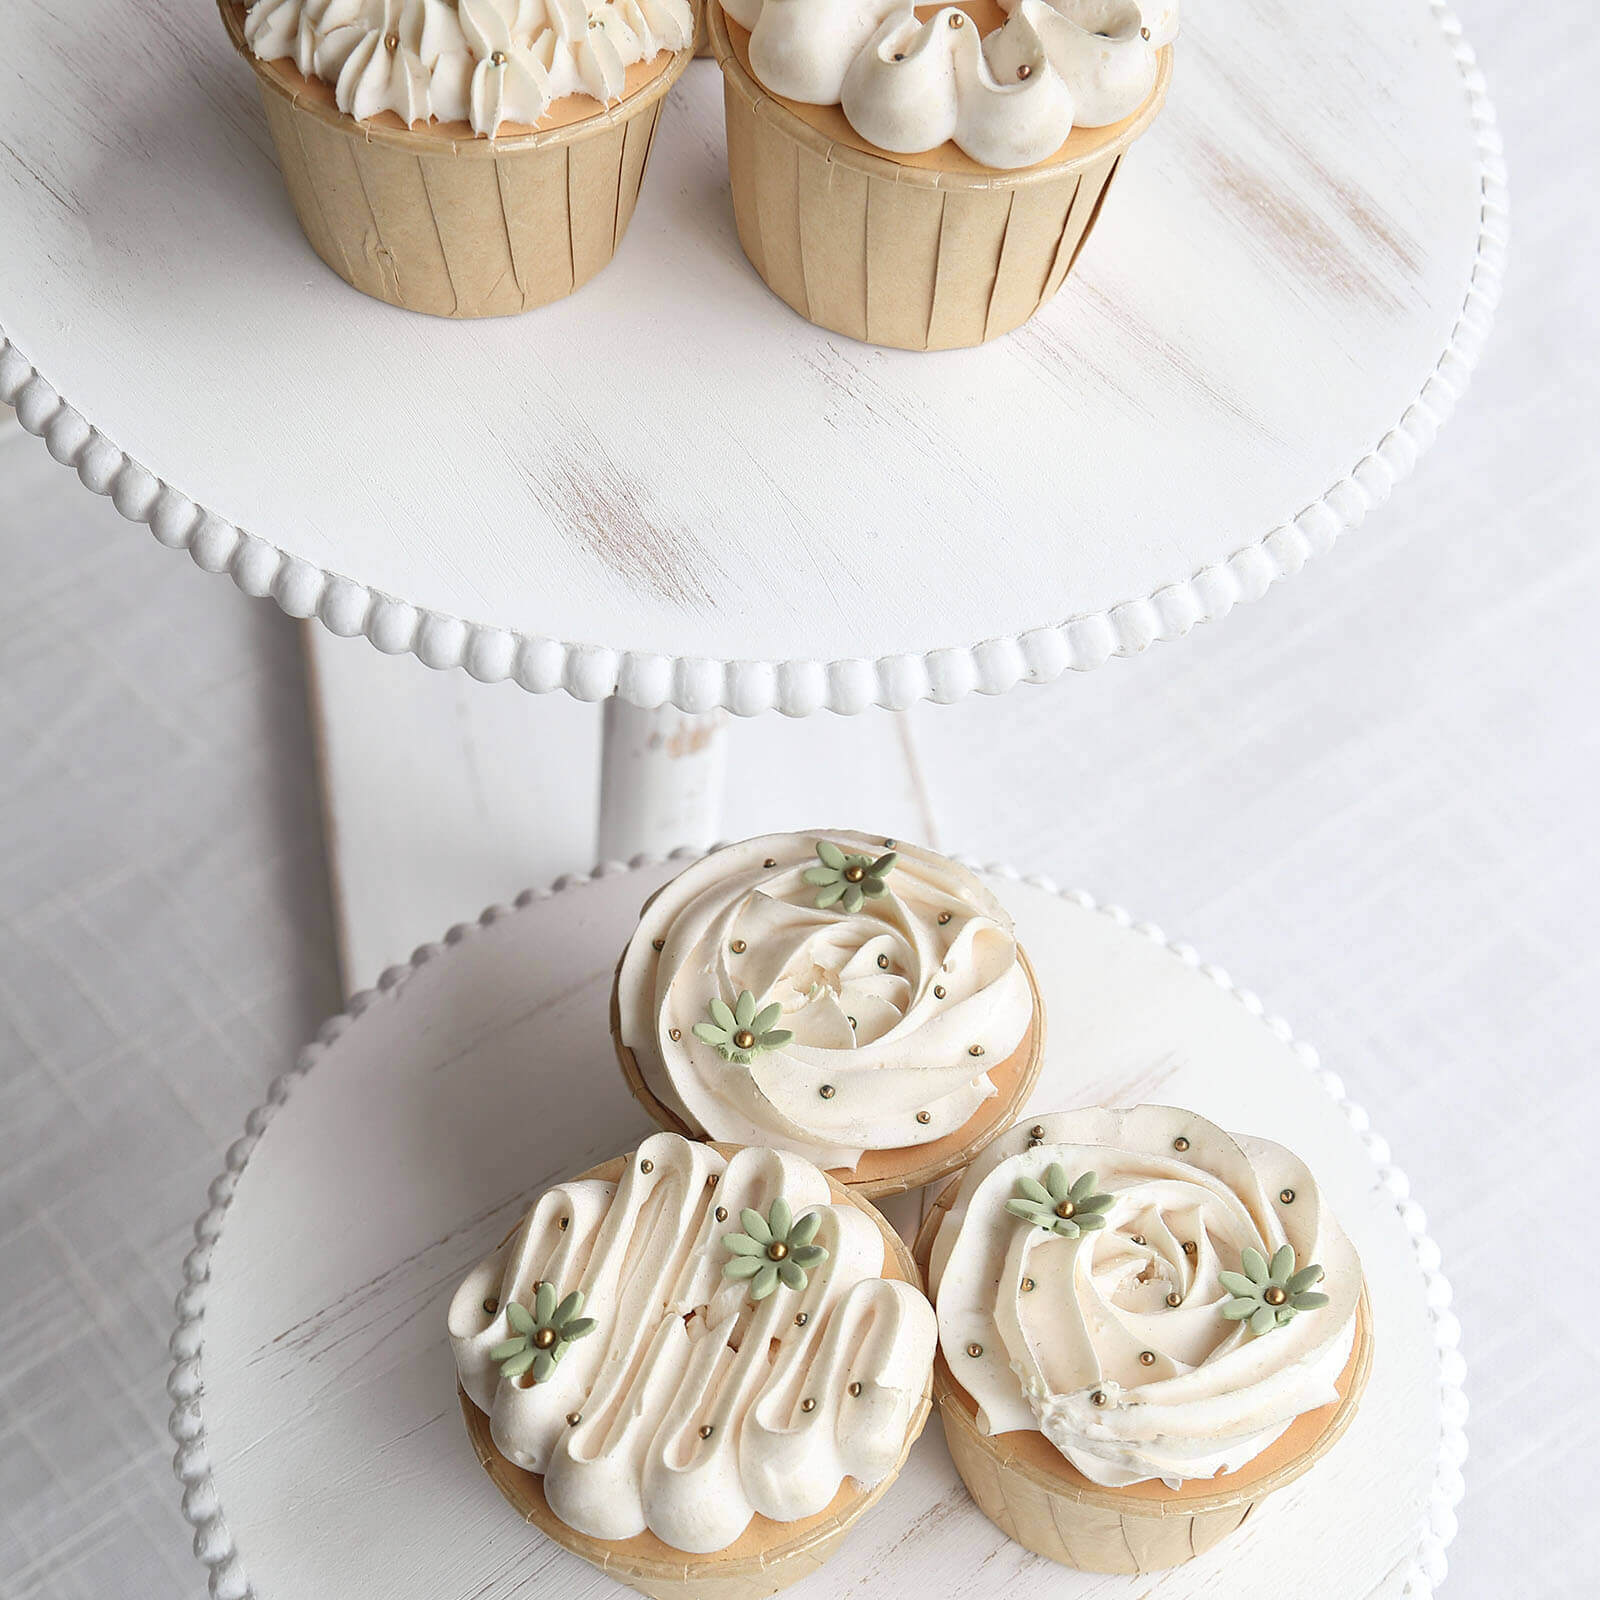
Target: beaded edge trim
202,1509
800,688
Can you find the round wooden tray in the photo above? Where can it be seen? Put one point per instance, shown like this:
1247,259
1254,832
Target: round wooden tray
320,1442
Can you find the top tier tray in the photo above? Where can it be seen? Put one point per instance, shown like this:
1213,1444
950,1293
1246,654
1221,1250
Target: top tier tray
673,489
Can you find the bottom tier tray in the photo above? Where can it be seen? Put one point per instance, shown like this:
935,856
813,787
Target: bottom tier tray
320,1442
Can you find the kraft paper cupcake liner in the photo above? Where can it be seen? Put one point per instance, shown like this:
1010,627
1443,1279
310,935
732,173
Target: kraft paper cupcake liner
459,226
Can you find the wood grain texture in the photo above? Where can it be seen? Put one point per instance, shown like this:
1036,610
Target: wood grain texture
1277,313
315,1384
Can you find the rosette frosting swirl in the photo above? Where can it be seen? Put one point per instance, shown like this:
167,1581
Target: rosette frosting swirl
691,1404
1125,1345
485,62
1007,100
883,1020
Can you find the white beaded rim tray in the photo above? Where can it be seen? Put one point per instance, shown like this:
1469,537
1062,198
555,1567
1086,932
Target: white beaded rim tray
648,679
1421,1574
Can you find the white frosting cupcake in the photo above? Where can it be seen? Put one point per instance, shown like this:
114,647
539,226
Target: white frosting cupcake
1158,1298
483,62
704,1341
828,993
1008,100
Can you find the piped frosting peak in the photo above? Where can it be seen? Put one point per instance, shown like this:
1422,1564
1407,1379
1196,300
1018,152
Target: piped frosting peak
484,62
1007,100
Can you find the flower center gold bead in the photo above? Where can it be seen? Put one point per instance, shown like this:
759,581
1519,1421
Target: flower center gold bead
1098,1397
738,947
1180,1144
1174,1299
777,1250
1274,1296
974,1350
744,1039
491,1305
1287,1196
544,1338
854,874
1065,1209
1147,1358
924,1117
647,1166
722,1213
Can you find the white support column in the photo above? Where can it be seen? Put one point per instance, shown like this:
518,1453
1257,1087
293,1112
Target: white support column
661,779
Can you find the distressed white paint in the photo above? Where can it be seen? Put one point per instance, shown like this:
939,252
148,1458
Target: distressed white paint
315,1392
669,485
661,779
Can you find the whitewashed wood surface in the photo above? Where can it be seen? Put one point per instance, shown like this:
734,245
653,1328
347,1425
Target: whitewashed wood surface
670,472
321,1439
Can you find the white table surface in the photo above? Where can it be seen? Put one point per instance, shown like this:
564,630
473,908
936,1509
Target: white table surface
1384,823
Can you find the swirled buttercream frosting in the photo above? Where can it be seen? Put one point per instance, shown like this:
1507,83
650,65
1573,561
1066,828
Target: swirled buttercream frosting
483,62
1007,99
630,1343
1176,1337
826,993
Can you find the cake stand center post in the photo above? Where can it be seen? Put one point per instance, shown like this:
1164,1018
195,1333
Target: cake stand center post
661,777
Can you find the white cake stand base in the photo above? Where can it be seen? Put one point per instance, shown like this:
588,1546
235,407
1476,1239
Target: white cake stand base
320,1442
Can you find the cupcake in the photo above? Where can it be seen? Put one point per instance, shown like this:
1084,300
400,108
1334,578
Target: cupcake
695,1366
1146,1325
467,158
928,181
858,1001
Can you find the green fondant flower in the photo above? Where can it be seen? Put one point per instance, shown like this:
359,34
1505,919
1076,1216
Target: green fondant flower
542,1335
1058,1206
848,879
773,1248
740,1032
1270,1293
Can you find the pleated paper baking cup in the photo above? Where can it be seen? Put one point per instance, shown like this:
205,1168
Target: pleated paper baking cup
920,253
453,224
768,1556
1024,1485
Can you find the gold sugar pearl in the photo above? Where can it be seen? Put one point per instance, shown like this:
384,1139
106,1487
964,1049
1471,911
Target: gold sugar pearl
1024,72
491,1305
938,991
957,20
1174,1299
855,1389
574,1418
675,1033
974,1350
1036,1131
1180,1144
944,917
1190,1247
1028,1286
738,947
1144,33
711,1182
883,963
808,1404
707,1431
722,1213
1138,1238
1286,1196
392,42
888,844
769,862
853,1023
566,1222
658,944
801,1318
499,58
827,1091
647,1166
976,1050
1099,1398
924,1117
1147,1358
